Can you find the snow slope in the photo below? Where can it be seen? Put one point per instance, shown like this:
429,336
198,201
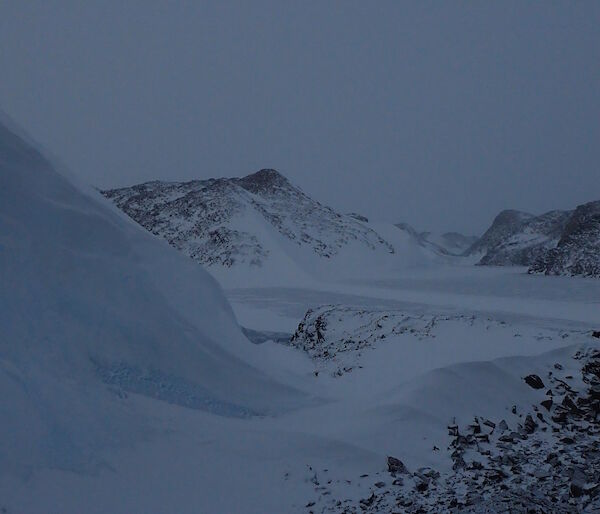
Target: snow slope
91,308
448,243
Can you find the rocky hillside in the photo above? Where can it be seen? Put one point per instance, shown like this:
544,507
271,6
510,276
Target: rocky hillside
519,238
578,250
248,221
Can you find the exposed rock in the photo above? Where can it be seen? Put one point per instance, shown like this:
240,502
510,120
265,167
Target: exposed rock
534,381
358,217
578,250
538,472
337,337
518,238
530,425
367,502
396,465
208,220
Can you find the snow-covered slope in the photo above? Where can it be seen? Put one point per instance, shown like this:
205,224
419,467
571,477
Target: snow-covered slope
520,432
91,308
258,226
578,251
448,243
518,238
453,242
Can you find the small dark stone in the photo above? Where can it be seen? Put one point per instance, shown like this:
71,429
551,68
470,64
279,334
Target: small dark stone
530,425
560,417
367,502
396,465
596,334
422,486
534,381
576,490
489,423
380,484
570,404
506,438
547,404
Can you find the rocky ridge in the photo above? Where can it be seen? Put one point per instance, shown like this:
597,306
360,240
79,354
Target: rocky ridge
338,337
578,250
223,221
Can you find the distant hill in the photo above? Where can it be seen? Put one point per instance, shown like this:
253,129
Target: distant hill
518,238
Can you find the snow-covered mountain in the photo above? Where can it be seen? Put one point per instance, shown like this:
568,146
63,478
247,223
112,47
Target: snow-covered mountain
259,225
92,308
518,238
448,243
578,250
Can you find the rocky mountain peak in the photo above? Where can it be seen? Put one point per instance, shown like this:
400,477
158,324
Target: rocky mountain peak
265,180
510,216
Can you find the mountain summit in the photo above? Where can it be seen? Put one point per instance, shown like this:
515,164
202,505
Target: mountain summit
266,180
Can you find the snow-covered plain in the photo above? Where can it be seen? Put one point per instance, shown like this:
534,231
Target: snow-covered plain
128,385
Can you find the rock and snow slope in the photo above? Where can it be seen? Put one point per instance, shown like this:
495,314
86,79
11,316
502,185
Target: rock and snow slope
261,226
527,441
555,243
578,251
91,308
518,238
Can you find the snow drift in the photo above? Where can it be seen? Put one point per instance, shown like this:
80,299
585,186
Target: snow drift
92,307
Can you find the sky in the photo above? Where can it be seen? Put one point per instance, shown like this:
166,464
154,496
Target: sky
439,114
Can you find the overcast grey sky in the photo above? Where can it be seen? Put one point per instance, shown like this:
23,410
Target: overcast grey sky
435,113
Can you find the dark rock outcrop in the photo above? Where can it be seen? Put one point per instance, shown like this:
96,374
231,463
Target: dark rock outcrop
578,250
518,238
534,381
